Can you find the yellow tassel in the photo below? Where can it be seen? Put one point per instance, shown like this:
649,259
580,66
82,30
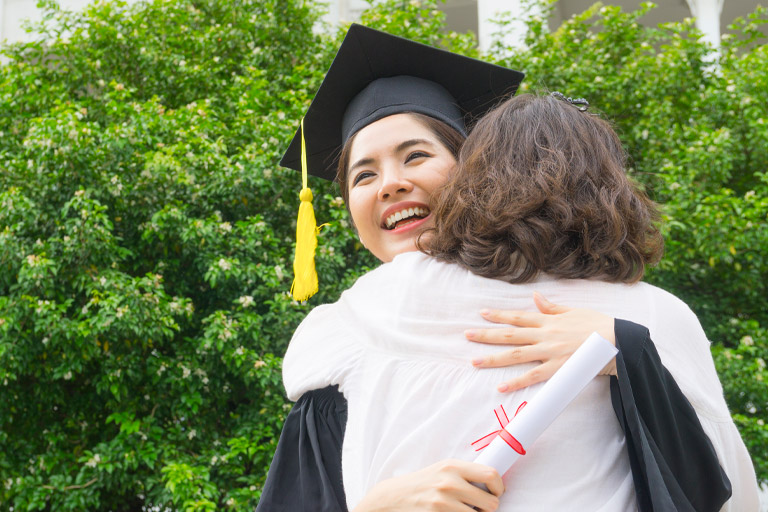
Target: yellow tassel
304,273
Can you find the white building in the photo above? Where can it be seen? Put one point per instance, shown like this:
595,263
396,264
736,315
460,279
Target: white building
476,15
462,15
13,12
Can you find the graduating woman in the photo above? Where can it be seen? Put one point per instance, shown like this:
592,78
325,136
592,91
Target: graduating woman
403,157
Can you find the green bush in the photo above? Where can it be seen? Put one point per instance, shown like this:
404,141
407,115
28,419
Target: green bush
146,228
145,246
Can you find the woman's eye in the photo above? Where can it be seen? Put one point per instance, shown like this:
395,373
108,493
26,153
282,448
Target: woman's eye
415,155
361,176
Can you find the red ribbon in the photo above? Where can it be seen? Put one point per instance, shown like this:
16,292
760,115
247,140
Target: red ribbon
508,438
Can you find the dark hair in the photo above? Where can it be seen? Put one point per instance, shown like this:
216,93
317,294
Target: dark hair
541,187
446,135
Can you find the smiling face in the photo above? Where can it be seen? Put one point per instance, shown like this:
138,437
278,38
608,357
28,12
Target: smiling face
394,166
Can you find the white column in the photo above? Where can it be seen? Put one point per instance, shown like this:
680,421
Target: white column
514,33
2,19
707,13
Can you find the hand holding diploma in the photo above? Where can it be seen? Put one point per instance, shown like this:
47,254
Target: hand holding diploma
555,395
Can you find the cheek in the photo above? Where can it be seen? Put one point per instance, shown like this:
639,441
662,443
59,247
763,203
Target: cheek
360,211
355,209
440,176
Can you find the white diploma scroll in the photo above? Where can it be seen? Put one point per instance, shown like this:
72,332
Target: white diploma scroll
553,397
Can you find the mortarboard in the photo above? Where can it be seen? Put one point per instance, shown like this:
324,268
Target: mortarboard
375,75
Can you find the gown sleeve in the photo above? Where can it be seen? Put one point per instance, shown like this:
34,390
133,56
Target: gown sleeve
305,474
674,464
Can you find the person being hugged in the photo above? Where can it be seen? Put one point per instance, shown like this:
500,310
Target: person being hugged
539,202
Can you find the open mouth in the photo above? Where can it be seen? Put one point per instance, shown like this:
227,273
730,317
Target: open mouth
405,216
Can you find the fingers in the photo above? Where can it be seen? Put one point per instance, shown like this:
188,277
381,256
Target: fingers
546,307
517,355
464,491
505,336
513,317
488,476
446,486
533,376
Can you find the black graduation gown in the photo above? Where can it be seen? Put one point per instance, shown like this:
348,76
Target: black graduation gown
305,474
674,465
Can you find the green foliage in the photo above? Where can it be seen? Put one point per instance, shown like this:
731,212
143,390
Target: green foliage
695,125
146,228
146,245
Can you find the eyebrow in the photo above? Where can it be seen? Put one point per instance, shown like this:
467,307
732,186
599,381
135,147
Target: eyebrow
400,147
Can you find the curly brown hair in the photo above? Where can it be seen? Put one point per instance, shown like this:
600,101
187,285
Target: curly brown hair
541,187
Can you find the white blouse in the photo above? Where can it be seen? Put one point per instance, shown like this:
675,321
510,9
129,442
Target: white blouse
394,344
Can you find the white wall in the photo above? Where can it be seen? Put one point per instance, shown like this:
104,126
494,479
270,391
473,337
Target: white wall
12,12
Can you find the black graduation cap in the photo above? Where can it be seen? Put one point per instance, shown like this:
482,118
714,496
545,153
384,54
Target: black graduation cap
375,75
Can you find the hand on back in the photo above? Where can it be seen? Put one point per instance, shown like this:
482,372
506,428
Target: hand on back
550,336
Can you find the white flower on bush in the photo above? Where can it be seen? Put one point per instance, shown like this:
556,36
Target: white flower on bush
93,461
259,364
245,301
185,372
192,434
41,305
103,281
240,351
68,376
224,264
279,272
225,226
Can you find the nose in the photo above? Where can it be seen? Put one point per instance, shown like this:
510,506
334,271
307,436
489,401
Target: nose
393,183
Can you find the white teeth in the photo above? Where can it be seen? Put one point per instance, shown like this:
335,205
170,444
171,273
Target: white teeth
405,213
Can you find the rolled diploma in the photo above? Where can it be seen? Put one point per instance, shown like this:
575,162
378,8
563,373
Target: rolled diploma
553,397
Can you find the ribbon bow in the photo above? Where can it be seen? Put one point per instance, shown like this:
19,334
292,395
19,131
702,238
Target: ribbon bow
501,416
